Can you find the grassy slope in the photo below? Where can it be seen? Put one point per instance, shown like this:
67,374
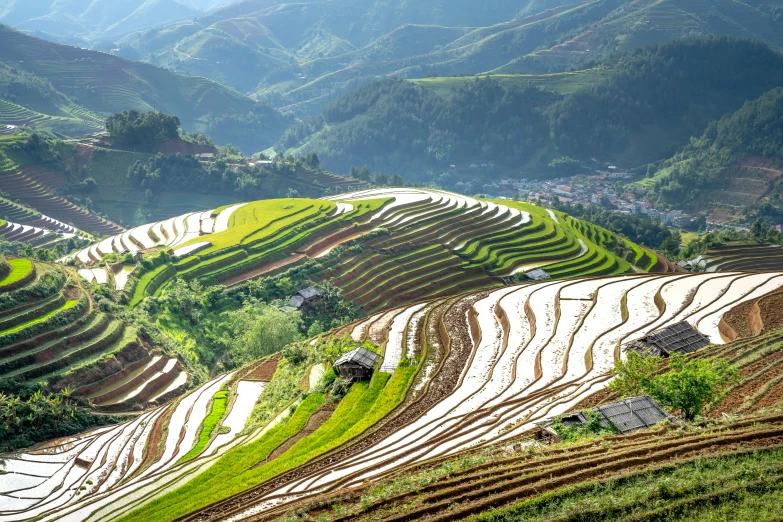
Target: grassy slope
364,405
562,83
208,426
20,267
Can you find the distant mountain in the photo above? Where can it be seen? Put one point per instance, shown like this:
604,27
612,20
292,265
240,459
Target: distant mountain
301,55
97,19
70,91
633,109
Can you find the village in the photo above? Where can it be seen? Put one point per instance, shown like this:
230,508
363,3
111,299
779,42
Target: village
603,187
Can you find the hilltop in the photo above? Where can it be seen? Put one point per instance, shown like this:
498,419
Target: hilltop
71,90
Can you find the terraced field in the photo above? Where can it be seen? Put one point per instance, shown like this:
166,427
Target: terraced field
743,257
438,243
487,366
51,331
75,119
36,186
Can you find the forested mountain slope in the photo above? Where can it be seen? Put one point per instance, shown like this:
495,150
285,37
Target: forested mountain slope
301,55
736,162
70,90
632,109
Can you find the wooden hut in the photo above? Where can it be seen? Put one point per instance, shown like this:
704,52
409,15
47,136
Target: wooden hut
356,365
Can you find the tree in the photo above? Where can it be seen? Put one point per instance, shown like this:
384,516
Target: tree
687,387
259,329
692,385
634,375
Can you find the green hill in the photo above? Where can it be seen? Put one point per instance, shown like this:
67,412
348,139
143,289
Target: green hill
300,56
630,110
734,164
69,90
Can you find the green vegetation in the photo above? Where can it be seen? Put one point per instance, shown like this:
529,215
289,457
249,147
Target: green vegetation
687,386
745,486
207,427
142,132
20,268
30,414
363,406
66,306
658,92
700,169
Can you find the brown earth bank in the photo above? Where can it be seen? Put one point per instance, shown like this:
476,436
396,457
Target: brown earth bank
262,372
514,471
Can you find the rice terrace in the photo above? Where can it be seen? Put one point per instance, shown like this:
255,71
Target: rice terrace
471,362
360,260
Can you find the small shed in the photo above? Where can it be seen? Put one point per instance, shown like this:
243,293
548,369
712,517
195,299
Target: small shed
633,414
680,338
356,365
537,275
685,265
304,298
627,416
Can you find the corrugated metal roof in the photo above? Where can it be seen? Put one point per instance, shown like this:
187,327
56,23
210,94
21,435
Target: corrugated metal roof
309,292
680,338
361,356
296,301
633,414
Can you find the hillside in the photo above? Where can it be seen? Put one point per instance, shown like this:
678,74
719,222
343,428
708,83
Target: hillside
301,56
70,90
96,19
100,190
52,330
434,243
630,110
464,377
734,165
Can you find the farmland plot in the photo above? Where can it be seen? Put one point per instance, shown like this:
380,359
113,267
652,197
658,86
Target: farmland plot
532,351
71,478
516,355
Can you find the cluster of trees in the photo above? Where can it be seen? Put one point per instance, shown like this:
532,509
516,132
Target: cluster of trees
674,89
141,131
640,230
29,414
177,172
759,233
376,178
